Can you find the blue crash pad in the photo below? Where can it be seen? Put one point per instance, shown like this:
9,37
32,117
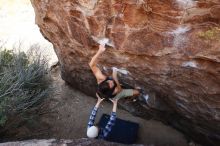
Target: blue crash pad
122,132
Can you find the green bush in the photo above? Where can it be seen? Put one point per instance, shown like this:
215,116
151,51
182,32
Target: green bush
24,83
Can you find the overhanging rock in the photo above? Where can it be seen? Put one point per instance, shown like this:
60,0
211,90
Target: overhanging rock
170,48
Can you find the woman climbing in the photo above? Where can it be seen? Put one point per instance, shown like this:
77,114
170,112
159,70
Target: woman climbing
109,86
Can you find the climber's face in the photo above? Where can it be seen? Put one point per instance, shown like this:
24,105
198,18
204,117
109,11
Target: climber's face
110,83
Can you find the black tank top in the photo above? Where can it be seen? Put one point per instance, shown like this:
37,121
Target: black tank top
108,94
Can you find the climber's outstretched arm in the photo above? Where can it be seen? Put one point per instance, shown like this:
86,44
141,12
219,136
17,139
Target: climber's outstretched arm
94,111
115,77
93,65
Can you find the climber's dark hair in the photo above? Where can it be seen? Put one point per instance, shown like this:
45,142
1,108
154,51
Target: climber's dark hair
104,91
104,87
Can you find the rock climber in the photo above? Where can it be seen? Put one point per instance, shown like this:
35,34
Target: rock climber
109,86
100,133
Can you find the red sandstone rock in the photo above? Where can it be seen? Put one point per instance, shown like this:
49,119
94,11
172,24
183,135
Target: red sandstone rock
169,47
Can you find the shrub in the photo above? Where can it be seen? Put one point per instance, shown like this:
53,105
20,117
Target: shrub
24,82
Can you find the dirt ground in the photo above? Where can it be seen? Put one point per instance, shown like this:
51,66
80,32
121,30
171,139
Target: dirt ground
71,109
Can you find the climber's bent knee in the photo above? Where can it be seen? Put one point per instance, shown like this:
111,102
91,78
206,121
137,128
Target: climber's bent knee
136,92
124,93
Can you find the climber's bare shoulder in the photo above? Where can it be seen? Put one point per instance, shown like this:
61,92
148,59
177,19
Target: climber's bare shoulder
98,74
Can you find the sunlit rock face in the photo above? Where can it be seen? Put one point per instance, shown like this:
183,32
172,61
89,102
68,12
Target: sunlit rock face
170,48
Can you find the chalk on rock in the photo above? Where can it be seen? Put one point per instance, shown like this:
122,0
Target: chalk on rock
190,64
123,71
103,41
104,68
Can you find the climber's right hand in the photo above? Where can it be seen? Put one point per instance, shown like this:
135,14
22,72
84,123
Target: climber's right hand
102,48
99,98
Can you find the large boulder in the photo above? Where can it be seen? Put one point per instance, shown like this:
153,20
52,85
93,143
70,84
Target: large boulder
170,48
